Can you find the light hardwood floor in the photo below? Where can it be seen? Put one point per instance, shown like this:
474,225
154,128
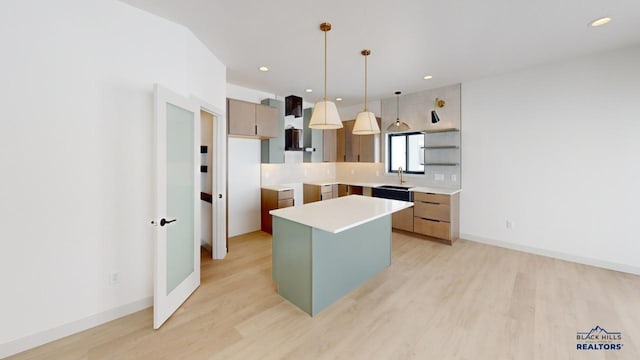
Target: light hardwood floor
468,301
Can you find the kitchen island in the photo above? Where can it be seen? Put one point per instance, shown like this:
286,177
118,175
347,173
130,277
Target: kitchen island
325,249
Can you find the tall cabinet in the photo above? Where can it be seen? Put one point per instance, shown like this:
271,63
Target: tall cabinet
357,148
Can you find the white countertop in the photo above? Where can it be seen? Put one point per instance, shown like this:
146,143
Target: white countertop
427,189
322,183
433,190
278,187
336,215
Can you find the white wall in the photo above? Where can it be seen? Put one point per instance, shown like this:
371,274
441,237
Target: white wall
244,185
351,112
76,143
555,150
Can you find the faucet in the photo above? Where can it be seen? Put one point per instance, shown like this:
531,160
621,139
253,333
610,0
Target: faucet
400,172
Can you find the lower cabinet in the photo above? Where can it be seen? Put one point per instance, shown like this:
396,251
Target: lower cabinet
346,189
437,216
313,193
403,219
270,200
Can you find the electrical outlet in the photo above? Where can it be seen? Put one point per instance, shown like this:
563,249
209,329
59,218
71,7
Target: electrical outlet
353,171
114,278
509,224
454,178
377,173
438,177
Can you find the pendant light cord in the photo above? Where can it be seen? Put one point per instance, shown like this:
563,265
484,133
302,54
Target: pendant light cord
397,107
325,66
365,83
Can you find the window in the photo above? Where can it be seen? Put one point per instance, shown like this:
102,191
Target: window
405,150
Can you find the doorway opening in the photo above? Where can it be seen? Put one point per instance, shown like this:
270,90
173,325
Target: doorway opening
206,182
213,234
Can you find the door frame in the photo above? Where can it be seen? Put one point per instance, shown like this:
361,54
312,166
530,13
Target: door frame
219,167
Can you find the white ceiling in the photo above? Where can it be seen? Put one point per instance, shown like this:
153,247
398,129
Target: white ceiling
455,40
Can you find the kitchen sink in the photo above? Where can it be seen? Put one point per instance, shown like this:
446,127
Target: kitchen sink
395,187
394,192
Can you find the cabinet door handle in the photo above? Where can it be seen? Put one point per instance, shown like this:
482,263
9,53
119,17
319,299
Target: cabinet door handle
255,129
358,157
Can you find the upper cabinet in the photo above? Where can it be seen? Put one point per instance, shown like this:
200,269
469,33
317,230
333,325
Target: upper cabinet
323,142
271,149
249,119
356,148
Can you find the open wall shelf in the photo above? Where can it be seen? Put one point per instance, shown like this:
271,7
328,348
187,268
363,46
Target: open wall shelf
440,164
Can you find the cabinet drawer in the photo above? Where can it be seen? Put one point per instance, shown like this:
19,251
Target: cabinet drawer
432,198
285,203
285,194
436,229
432,211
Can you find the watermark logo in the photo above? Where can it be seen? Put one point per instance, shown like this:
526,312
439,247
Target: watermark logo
599,339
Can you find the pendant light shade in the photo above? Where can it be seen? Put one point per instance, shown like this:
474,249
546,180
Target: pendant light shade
398,125
325,114
366,122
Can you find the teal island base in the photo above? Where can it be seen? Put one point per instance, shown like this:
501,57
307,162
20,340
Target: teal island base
314,268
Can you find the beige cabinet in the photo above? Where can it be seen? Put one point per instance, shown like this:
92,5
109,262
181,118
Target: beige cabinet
270,200
356,148
313,193
249,119
346,190
437,216
403,219
329,147
266,121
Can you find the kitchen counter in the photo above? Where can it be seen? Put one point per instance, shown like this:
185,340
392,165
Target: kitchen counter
277,187
427,189
433,190
340,214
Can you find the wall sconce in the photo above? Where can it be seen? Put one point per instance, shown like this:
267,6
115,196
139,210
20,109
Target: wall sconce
439,103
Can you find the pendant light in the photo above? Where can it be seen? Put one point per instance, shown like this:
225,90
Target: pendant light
398,125
366,123
325,114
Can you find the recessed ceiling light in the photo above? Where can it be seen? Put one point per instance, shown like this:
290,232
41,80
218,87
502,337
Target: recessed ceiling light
600,22
264,68
338,99
428,77
308,90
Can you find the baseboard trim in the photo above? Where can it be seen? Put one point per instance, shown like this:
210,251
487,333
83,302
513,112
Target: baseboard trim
555,254
41,338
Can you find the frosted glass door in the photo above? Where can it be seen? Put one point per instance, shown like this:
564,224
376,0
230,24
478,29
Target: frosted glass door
180,200
177,220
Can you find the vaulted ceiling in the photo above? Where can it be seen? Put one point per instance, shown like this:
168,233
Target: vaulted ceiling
454,41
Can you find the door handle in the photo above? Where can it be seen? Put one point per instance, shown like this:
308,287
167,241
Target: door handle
219,196
164,221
